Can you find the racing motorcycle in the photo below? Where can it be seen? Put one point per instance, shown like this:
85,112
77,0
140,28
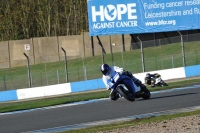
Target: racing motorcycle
126,92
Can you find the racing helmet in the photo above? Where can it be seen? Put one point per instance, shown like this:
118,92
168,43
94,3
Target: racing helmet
148,75
105,69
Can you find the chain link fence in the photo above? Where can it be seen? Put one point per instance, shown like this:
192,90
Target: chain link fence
153,55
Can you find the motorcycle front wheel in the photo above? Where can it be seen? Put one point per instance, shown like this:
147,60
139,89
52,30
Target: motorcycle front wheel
125,93
146,94
164,84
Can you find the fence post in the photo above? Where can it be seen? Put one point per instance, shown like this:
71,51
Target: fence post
123,59
183,51
102,49
46,74
58,77
65,64
103,60
29,73
31,80
123,43
84,69
92,43
142,54
85,72
4,80
111,50
172,61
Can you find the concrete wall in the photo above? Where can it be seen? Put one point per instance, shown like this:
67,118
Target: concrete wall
4,55
17,50
48,49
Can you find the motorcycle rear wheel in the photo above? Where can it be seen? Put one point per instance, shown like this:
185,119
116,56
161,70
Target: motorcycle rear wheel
126,94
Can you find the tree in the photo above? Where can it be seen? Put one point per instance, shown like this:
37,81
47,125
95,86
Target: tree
23,19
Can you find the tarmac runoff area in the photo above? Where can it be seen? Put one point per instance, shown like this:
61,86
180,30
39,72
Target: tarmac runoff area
124,119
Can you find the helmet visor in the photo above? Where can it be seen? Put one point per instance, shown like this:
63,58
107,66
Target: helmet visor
108,71
105,71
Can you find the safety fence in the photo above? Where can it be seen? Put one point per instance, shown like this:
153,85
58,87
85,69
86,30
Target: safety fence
94,84
141,57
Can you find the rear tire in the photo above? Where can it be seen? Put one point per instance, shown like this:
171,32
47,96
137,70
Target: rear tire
126,94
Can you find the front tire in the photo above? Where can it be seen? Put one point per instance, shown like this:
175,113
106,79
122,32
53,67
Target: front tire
126,94
164,84
146,94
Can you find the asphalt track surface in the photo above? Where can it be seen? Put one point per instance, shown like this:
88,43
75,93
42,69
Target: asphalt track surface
97,110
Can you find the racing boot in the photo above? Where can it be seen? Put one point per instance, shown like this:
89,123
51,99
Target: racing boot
114,95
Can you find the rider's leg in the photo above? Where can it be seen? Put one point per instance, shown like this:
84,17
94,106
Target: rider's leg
129,84
113,95
135,80
143,88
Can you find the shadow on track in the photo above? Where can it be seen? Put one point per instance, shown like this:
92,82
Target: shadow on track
168,96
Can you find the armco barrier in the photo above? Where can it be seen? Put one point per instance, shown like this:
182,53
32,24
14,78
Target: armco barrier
192,71
94,84
8,96
87,85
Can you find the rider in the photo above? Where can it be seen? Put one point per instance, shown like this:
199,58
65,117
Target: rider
108,71
150,79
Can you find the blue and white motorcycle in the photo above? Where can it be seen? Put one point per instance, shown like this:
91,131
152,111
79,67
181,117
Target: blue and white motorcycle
122,84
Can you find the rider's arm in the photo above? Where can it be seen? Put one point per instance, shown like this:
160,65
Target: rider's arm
118,69
105,81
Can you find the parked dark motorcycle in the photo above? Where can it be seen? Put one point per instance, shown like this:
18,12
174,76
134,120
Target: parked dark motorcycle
154,80
160,82
126,92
